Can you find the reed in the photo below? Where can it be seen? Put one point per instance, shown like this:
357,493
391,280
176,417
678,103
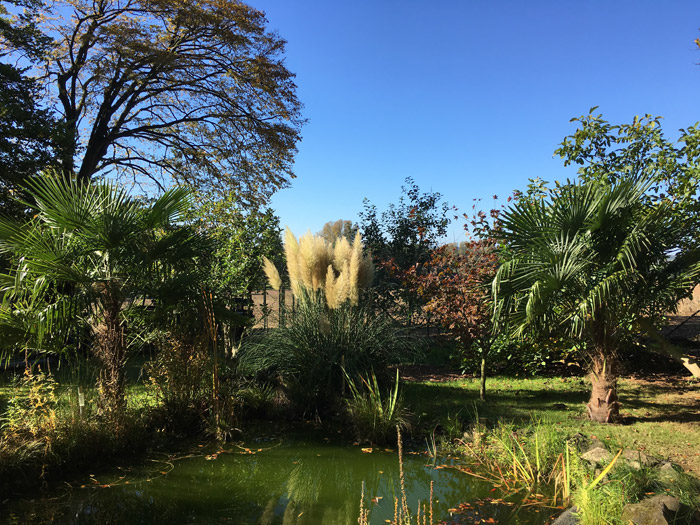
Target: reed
374,415
402,515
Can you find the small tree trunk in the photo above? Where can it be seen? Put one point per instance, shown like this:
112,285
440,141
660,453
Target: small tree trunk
482,386
603,406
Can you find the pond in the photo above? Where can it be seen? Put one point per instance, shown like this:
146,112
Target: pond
290,478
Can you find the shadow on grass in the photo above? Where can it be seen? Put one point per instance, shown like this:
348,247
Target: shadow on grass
519,400
440,400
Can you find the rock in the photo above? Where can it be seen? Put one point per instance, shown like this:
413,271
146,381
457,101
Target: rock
568,517
635,458
657,510
596,443
667,474
579,441
597,455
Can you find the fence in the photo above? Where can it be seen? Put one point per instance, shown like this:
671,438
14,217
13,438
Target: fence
271,306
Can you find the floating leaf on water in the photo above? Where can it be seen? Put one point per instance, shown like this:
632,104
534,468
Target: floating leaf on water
367,450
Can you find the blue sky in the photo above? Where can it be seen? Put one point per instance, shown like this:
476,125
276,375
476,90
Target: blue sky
468,98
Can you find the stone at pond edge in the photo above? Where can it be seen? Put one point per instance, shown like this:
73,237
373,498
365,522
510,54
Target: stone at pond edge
597,455
595,443
657,510
568,517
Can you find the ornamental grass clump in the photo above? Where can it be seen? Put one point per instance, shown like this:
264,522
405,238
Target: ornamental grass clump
329,331
306,357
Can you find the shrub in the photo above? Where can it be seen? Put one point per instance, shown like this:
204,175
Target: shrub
32,408
178,375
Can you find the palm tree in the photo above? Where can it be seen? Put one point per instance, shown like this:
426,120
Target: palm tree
99,249
597,264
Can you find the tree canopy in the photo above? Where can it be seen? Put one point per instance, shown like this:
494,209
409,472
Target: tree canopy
332,230
608,153
196,91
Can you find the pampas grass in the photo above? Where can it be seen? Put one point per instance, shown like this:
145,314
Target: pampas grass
337,272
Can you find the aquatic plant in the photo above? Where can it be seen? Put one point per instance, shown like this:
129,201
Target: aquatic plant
402,513
375,416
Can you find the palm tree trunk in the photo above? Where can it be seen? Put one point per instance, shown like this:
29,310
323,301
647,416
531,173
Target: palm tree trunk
603,406
111,352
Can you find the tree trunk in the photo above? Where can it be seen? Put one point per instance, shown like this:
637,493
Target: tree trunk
603,406
482,386
110,350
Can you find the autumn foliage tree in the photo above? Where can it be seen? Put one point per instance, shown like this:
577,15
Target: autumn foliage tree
455,281
399,238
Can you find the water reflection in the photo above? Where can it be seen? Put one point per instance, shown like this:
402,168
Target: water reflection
298,481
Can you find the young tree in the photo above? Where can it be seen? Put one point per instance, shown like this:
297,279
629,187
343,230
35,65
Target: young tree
599,264
608,153
455,281
193,90
456,286
400,237
332,230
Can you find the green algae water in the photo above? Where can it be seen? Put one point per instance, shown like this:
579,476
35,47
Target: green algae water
291,479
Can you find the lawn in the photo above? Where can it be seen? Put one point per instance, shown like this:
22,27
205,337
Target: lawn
661,415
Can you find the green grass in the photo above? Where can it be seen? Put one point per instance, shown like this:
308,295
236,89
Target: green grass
519,435
661,418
